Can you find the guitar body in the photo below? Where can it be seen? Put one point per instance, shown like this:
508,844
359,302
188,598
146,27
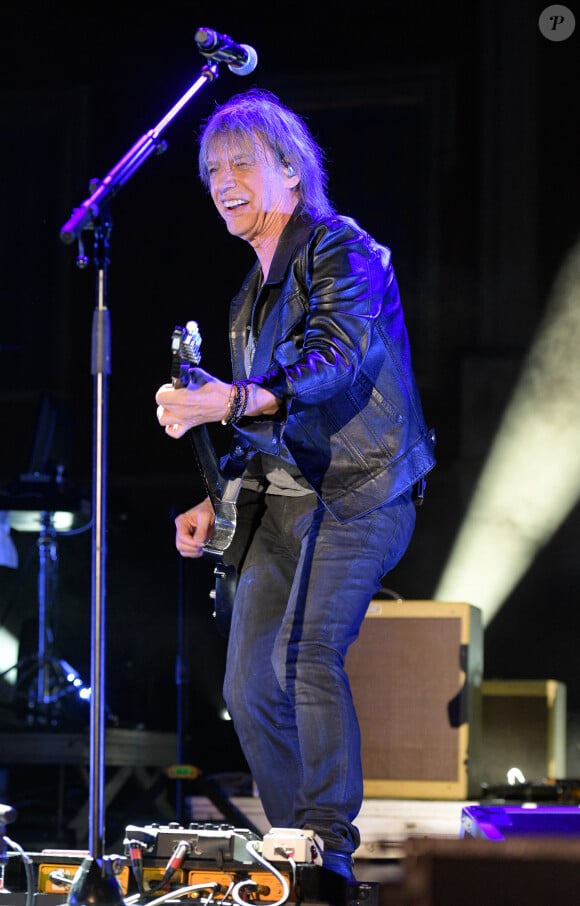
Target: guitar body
222,595
222,491
250,512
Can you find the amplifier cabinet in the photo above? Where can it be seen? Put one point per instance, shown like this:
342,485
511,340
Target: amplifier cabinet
523,726
416,672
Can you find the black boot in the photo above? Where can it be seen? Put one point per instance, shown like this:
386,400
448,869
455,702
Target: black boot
340,863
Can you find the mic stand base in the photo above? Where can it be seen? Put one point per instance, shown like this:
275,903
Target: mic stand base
95,883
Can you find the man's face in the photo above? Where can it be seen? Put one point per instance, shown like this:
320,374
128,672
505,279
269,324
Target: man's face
251,190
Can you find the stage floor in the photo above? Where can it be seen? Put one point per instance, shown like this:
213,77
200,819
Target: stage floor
384,824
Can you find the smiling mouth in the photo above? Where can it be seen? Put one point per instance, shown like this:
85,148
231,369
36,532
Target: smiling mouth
235,203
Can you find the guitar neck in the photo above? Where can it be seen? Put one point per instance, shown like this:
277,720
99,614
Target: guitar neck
207,463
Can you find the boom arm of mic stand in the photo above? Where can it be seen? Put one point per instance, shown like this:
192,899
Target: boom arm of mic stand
148,144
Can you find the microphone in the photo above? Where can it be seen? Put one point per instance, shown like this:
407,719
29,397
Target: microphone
241,58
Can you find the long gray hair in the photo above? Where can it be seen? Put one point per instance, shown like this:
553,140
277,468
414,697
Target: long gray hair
259,113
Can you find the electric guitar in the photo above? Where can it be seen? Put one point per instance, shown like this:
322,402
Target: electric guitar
221,490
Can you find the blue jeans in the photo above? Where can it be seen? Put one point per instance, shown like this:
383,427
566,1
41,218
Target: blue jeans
303,592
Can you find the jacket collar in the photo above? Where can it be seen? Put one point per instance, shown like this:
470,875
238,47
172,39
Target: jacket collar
294,234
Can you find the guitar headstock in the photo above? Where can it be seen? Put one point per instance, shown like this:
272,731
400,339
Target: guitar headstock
185,346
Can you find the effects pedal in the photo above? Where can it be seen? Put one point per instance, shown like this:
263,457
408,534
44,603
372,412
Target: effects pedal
300,845
218,843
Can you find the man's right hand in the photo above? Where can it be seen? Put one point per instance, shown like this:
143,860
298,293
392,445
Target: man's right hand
194,528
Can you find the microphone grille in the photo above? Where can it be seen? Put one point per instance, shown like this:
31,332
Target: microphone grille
246,68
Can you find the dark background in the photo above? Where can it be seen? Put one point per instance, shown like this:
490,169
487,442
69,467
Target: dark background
451,133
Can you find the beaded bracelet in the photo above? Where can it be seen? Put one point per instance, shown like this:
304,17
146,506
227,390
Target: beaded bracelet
244,404
237,403
228,412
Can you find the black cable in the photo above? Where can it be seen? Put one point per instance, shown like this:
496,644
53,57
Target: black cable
28,869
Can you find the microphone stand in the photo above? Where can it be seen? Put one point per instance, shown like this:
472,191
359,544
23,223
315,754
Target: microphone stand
93,213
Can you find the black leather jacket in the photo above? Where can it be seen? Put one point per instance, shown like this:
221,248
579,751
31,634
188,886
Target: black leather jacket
333,347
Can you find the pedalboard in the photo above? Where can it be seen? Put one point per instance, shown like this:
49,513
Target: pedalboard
217,867
217,856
